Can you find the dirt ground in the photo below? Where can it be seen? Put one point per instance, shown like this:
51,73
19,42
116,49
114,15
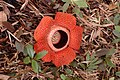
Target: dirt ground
98,57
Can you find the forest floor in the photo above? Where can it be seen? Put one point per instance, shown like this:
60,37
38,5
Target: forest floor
99,57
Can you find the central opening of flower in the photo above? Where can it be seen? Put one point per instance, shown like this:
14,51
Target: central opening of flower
58,39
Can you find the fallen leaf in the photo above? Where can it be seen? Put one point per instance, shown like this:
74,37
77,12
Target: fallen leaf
19,46
3,17
102,52
19,32
8,25
4,77
3,39
112,6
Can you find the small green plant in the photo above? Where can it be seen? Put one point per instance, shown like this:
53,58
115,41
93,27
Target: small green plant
63,77
116,19
116,32
75,4
33,59
91,62
108,57
117,73
66,77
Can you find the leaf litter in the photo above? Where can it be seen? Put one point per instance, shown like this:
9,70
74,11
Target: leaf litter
17,24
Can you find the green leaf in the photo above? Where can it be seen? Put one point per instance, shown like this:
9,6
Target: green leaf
65,7
82,65
117,28
27,60
97,62
109,63
118,5
116,19
80,3
117,73
63,77
40,54
68,71
94,60
35,66
29,50
76,78
67,1
110,52
116,33
39,68
69,78
93,56
76,11
74,64
92,67
116,40
88,57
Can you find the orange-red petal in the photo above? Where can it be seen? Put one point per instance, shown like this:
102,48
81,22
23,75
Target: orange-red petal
64,57
43,28
65,20
76,37
42,45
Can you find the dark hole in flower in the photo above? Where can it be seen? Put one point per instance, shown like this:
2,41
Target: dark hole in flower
35,78
63,39
1,9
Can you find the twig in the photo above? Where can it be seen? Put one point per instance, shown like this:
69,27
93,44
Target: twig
9,33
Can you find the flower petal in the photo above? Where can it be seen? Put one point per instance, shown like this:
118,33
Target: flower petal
76,37
65,20
42,45
64,57
43,28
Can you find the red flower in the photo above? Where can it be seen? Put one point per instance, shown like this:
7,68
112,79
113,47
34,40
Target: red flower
60,37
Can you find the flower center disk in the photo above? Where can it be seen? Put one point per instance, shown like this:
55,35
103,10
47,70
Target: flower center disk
58,39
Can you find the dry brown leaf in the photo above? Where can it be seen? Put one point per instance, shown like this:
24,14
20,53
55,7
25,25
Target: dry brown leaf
102,52
112,6
4,77
18,32
19,46
3,17
7,11
8,26
3,39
